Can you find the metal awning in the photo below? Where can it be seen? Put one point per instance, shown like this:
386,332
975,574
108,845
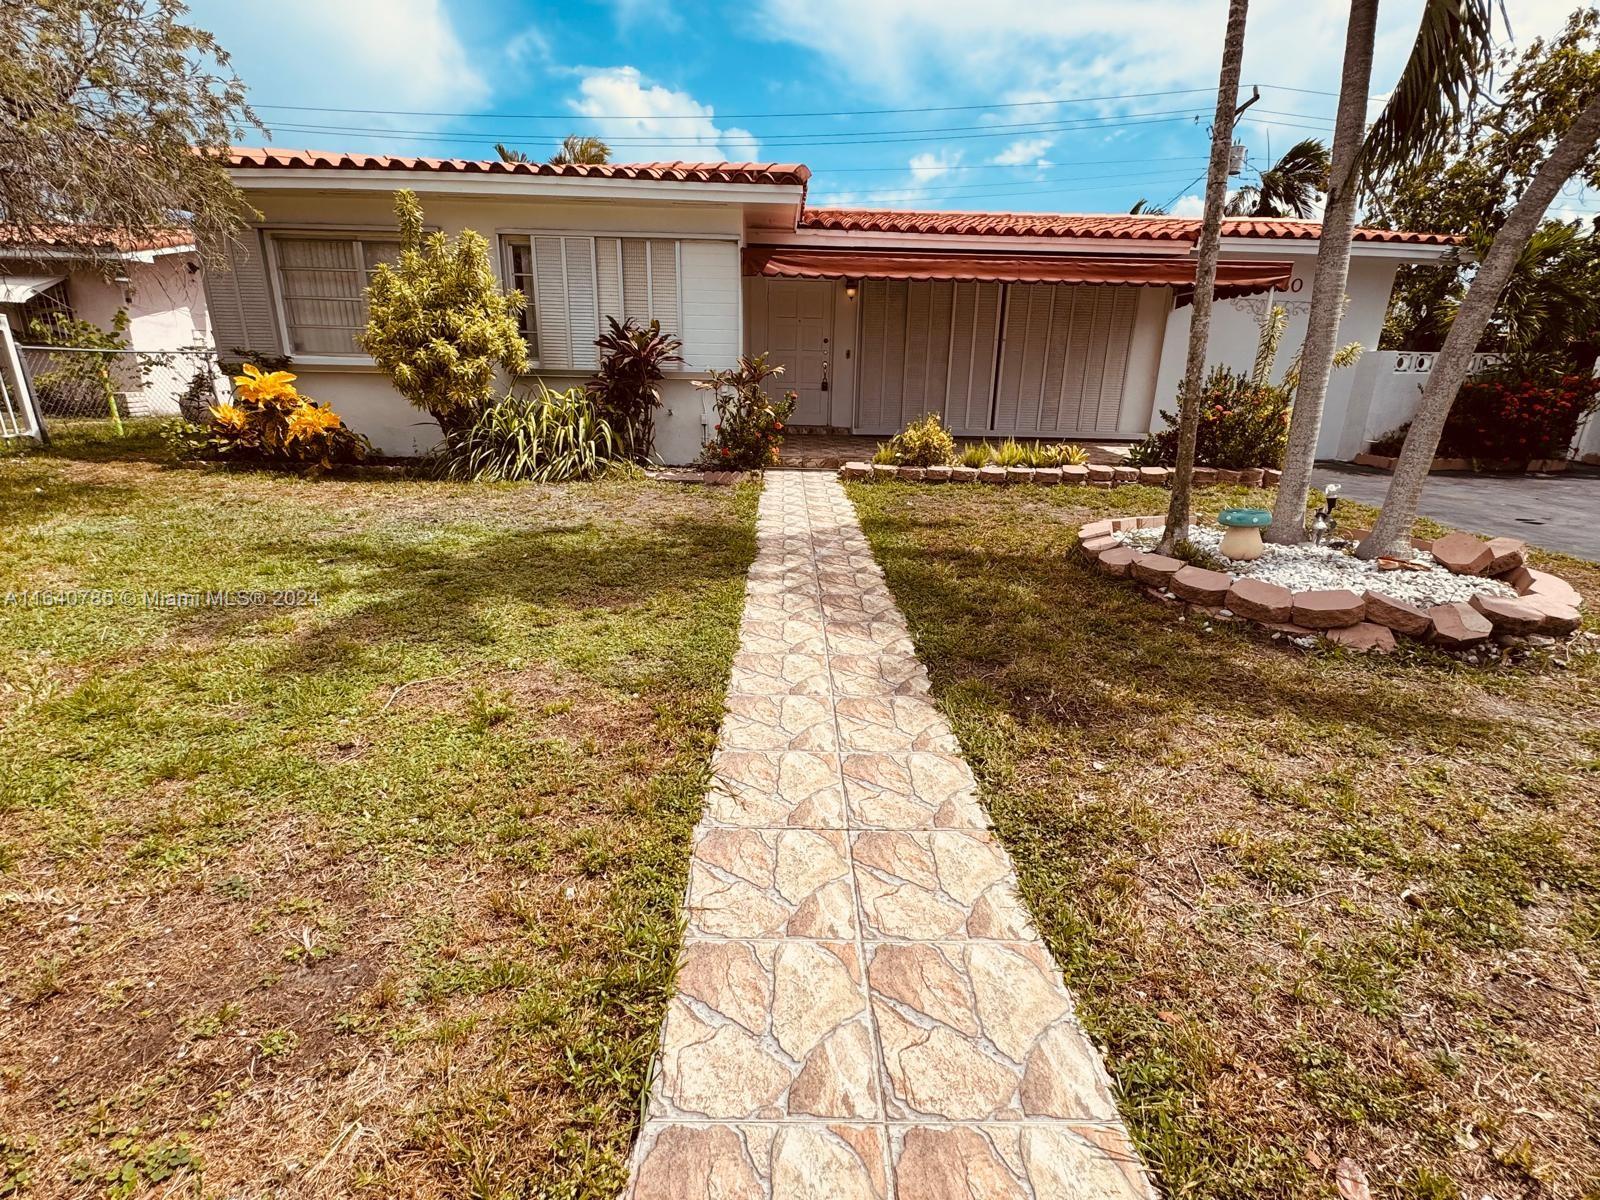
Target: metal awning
1235,278
19,289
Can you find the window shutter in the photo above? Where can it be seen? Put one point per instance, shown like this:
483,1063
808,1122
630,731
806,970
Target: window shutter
1123,308
608,277
664,283
550,286
582,300
240,302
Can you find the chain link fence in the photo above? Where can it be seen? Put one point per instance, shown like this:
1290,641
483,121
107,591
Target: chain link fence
74,384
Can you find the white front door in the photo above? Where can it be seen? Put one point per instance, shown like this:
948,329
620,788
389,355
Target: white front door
800,337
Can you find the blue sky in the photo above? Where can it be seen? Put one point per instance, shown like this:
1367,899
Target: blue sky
1069,106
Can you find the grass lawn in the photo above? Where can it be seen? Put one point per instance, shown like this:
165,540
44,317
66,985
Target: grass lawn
1314,906
377,896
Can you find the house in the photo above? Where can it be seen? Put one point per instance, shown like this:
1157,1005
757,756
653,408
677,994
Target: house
154,278
1050,326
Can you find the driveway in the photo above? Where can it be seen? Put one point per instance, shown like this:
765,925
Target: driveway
1557,512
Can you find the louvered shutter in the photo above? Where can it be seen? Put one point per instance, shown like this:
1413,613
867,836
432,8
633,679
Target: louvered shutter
550,287
240,301
608,278
870,372
664,283
583,311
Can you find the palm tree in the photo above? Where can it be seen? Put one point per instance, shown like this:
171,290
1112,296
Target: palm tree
1143,208
1391,533
1453,46
576,149
507,154
1205,275
1288,188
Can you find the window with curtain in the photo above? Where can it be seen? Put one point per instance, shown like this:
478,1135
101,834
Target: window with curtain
322,282
574,281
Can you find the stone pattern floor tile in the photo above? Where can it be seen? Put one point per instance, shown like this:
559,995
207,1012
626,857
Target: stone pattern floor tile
863,1008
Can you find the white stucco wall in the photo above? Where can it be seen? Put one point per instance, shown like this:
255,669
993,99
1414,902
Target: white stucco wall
1236,331
710,291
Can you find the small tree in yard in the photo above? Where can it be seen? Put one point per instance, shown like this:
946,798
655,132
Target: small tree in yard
103,105
439,325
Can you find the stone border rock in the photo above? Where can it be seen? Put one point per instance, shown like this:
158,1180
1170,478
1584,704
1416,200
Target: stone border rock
1546,606
1093,475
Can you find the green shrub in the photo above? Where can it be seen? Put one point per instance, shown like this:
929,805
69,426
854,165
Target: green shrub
1503,417
542,436
749,421
885,455
1242,424
439,326
924,443
626,391
1011,453
975,454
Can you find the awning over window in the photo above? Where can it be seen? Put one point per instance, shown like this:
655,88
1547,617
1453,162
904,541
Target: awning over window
1236,278
19,289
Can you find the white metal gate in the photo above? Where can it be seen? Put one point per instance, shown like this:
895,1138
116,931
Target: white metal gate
19,417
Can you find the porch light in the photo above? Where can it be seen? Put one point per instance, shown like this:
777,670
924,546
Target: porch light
850,286
126,284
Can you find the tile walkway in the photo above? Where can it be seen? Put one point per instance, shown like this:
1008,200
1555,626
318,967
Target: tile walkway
863,1008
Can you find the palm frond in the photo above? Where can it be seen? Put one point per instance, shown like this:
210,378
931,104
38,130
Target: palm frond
1290,187
507,154
578,149
1443,76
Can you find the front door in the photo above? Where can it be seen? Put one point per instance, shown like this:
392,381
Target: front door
800,337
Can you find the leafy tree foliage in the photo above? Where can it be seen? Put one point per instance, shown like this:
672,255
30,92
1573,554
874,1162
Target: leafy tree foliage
439,326
103,105
1550,310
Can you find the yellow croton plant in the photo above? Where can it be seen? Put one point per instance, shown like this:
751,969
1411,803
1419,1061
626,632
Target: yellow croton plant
272,421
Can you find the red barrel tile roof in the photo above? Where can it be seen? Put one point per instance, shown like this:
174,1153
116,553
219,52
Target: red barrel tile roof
1070,225
668,172
55,237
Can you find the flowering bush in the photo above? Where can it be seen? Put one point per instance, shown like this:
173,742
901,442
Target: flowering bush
1503,418
271,422
1243,423
749,421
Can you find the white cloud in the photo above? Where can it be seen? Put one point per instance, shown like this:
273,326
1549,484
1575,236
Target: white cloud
1025,152
926,167
1192,205
369,54
671,124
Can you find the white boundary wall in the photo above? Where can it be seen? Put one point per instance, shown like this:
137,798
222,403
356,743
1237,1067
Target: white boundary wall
1384,395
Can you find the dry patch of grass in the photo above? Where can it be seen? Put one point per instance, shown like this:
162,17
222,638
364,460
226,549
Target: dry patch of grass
1313,906
372,897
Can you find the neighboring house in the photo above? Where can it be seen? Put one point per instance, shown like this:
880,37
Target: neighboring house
156,279
1007,324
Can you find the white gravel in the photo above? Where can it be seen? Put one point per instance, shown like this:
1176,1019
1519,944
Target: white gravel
1309,568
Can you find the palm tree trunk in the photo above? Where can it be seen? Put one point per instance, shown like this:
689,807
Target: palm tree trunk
1205,275
1392,532
1333,272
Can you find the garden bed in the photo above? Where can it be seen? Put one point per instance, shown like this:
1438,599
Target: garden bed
1456,593
1090,475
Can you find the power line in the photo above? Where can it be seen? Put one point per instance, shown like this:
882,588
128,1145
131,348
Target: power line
1059,183
844,137
778,116
732,116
